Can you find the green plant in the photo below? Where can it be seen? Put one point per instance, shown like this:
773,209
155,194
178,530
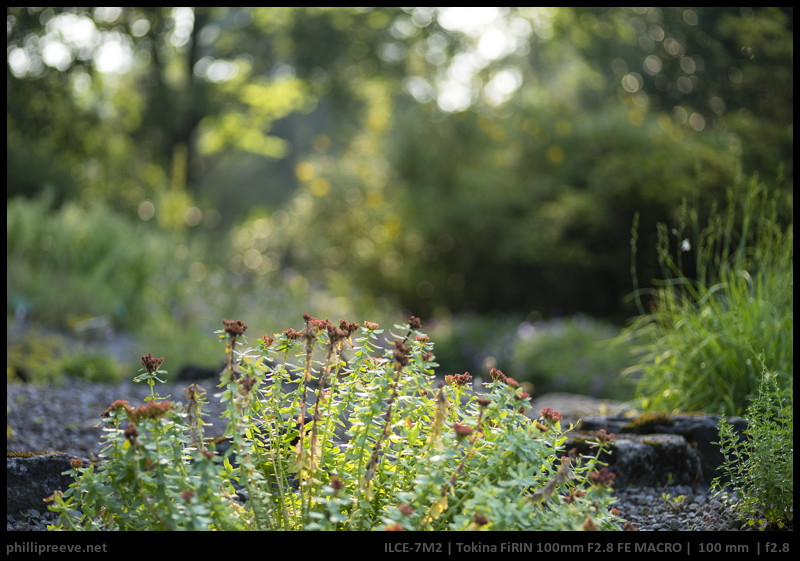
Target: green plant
695,346
759,465
36,357
339,427
101,260
675,503
43,358
576,354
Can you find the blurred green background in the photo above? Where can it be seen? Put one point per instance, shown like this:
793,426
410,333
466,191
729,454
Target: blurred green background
478,167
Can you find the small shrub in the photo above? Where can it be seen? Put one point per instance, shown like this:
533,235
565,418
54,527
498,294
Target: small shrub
759,466
35,357
101,260
92,366
577,354
338,427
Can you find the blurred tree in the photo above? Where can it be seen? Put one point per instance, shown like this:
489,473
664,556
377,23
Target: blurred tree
453,157
527,200
720,69
130,103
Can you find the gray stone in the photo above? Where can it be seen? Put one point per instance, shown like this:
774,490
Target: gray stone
699,431
31,479
644,460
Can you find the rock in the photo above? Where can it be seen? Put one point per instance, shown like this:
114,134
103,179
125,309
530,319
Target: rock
644,460
574,407
32,478
699,431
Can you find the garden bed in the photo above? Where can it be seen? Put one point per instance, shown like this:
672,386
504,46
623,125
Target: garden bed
64,419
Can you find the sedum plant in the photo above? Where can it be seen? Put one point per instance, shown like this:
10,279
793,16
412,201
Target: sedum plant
339,427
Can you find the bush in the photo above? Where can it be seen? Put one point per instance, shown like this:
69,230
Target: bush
577,355
99,260
760,466
45,358
338,428
697,347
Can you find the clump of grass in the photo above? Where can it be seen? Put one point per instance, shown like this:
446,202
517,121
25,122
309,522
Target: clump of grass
698,344
339,427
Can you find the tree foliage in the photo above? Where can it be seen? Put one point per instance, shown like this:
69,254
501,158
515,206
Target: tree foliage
489,163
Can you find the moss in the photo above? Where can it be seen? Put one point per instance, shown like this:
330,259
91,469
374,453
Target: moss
35,358
19,454
31,454
645,422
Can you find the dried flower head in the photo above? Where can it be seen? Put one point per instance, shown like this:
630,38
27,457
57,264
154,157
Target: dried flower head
458,379
130,432
551,415
76,463
604,436
350,327
267,341
234,328
293,334
589,525
414,322
336,484
462,431
372,326
150,410
336,333
480,519
150,363
484,401
573,495
400,354
602,477
247,384
119,404
193,391
315,324
497,375
395,528
405,509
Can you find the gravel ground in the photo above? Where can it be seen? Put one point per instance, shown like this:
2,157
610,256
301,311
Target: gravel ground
64,419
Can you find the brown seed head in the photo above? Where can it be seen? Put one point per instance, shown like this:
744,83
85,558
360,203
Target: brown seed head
551,415
234,328
150,363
